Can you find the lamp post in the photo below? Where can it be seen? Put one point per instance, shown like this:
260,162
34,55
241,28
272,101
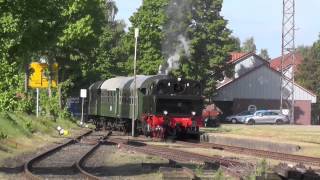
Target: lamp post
136,35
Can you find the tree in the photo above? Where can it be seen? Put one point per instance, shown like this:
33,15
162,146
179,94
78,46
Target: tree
150,19
309,72
249,45
76,34
236,44
111,57
210,44
264,54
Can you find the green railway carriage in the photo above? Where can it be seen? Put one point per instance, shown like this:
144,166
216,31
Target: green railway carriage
94,96
110,103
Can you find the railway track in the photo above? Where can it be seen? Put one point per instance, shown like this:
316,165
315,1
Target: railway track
231,167
314,161
64,161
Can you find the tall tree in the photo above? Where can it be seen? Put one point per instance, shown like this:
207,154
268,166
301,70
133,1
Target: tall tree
309,72
74,33
264,54
236,44
249,45
210,44
150,19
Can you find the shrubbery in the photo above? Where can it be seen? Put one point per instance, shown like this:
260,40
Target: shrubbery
3,135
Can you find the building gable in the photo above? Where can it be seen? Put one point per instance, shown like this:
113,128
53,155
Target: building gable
259,83
247,64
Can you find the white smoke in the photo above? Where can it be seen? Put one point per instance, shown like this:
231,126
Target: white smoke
173,60
185,44
176,42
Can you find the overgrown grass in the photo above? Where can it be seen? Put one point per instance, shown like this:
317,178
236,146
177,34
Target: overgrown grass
15,125
20,133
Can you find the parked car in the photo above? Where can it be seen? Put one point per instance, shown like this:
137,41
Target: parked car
266,117
238,118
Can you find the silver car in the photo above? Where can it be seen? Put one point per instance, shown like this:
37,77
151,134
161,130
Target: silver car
238,118
266,117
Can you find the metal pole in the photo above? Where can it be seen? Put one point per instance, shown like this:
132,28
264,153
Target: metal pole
282,57
136,35
293,62
288,57
82,110
37,108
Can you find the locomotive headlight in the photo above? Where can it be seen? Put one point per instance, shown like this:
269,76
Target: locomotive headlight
193,113
165,112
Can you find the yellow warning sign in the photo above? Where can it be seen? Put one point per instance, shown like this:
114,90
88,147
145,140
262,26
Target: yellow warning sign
39,75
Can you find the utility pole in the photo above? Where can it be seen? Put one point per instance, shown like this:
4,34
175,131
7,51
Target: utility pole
288,57
136,35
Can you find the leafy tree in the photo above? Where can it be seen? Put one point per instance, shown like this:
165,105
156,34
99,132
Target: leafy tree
210,44
78,34
264,54
249,45
309,72
150,19
111,58
236,44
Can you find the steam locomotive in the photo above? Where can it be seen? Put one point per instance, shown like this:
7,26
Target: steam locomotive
165,106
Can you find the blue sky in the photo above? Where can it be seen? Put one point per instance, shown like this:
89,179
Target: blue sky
260,19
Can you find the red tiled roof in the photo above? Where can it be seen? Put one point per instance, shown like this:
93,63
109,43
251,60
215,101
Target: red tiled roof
236,56
276,63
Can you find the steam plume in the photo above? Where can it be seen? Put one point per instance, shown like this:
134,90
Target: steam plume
176,40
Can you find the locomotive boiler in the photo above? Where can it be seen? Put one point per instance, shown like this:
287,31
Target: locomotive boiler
165,106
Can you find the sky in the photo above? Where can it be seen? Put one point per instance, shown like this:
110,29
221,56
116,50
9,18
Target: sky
259,19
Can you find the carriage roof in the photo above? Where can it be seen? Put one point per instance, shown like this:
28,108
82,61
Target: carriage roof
124,83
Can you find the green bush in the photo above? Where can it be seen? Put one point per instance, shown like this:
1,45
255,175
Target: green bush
11,82
29,127
26,105
199,169
3,135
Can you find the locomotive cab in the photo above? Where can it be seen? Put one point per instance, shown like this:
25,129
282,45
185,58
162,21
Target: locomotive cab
176,111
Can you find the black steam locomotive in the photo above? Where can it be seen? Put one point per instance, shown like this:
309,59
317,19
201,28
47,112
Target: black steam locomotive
164,106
